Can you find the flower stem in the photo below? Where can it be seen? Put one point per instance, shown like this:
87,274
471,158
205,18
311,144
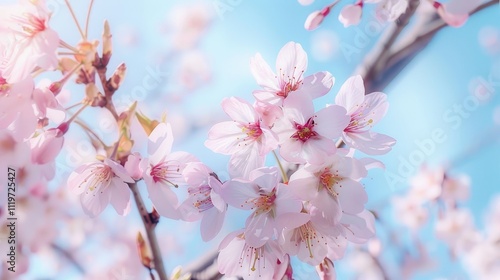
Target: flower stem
149,225
283,172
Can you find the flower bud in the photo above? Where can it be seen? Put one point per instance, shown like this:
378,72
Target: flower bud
116,79
107,44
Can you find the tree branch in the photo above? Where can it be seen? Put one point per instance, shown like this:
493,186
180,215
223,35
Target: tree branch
149,225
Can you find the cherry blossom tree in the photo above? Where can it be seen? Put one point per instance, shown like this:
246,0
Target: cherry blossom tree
297,168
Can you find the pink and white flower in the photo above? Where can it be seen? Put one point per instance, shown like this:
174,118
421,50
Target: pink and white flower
36,42
247,139
163,170
238,258
333,187
291,65
101,183
312,240
268,198
204,201
306,136
364,111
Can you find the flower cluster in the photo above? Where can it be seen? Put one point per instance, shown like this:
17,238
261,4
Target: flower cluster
438,199
320,208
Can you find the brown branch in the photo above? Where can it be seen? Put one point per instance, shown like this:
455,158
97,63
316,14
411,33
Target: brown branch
150,225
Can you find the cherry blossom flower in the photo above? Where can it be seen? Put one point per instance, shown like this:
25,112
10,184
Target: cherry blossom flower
291,65
268,199
101,183
455,188
312,240
333,187
204,201
133,166
426,185
253,262
364,112
351,14
453,224
245,138
306,136
410,211
163,170
36,42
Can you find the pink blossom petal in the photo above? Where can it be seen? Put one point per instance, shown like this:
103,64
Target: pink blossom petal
211,224
291,151
163,198
377,106
331,121
351,95
351,195
360,227
318,84
242,163
292,220
315,151
119,170
237,192
196,173
266,178
263,74
370,143
133,166
239,110
160,142
93,204
259,230
120,196
291,61
221,137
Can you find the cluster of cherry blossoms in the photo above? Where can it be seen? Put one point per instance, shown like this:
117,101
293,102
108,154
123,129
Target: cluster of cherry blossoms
455,12
320,208
439,199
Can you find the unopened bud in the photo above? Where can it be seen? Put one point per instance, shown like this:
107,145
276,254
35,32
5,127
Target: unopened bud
107,44
154,216
56,87
143,250
116,79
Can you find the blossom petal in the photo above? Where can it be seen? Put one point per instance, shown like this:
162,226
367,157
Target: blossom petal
351,95
291,62
160,142
211,224
331,121
318,84
120,196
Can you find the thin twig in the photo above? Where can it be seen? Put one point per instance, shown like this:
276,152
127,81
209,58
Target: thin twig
69,257
149,225
75,19
88,18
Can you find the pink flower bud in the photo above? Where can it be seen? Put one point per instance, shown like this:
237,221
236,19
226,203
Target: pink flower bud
46,146
133,166
351,14
316,18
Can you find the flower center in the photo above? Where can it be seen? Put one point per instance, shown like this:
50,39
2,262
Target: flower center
305,132
31,24
252,130
164,172
98,175
329,180
203,201
289,84
264,203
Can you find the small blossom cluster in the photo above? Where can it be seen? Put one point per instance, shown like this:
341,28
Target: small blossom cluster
455,13
434,191
315,213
